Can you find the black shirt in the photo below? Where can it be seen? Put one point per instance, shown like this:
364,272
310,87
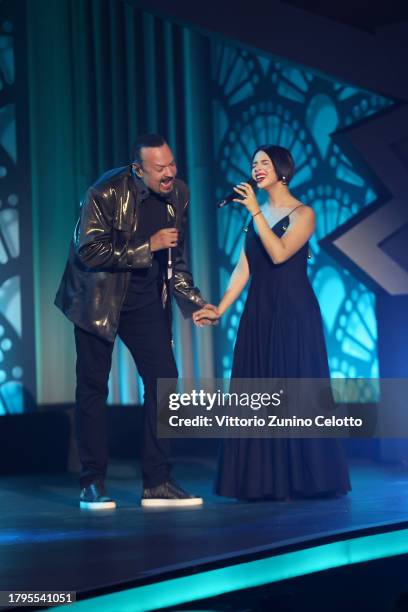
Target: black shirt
143,288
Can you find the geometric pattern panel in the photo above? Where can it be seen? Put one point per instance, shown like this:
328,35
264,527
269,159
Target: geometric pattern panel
258,101
395,246
11,261
372,244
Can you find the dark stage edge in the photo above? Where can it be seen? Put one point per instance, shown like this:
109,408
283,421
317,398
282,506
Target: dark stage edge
48,544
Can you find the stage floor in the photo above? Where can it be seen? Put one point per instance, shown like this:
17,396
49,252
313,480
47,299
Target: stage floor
47,543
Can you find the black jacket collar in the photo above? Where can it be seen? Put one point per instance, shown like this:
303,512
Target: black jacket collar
144,192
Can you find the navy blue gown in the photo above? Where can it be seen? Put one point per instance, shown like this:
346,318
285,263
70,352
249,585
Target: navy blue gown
280,336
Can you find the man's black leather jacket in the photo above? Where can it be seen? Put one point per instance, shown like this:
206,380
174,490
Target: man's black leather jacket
105,249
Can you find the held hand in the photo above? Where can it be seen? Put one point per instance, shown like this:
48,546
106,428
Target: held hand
164,239
208,315
248,197
214,309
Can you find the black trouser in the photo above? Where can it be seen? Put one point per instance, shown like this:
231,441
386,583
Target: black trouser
146,334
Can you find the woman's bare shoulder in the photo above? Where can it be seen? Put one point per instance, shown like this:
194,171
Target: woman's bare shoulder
303,216
300,209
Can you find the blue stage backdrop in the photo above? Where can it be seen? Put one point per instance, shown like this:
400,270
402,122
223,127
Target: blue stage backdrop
100,72
258,100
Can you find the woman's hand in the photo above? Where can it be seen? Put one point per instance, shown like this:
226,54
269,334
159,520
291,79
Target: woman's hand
248,197
208,315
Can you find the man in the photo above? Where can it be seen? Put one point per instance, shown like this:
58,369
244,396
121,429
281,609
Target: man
125,262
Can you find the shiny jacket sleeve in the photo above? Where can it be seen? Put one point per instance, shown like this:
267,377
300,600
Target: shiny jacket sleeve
188,297
99,245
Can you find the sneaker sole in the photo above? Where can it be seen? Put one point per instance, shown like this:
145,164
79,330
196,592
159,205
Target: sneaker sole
97,505
171,503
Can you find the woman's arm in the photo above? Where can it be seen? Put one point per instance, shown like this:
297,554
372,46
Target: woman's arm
281,249
278,249
236,285
237,282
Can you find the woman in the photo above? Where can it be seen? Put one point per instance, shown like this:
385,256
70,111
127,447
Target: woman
280,336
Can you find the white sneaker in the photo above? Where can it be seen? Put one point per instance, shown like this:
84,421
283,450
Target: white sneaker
94,497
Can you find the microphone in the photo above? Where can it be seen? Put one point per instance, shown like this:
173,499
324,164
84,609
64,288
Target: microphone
169,264
170,215
228,199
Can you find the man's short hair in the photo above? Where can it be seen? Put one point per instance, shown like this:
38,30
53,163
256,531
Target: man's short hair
145,140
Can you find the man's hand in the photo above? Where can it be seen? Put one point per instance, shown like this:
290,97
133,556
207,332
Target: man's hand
208,315
164,239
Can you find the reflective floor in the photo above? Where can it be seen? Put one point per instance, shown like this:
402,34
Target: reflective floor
47,543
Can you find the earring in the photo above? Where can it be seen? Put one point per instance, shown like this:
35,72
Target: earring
284,181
